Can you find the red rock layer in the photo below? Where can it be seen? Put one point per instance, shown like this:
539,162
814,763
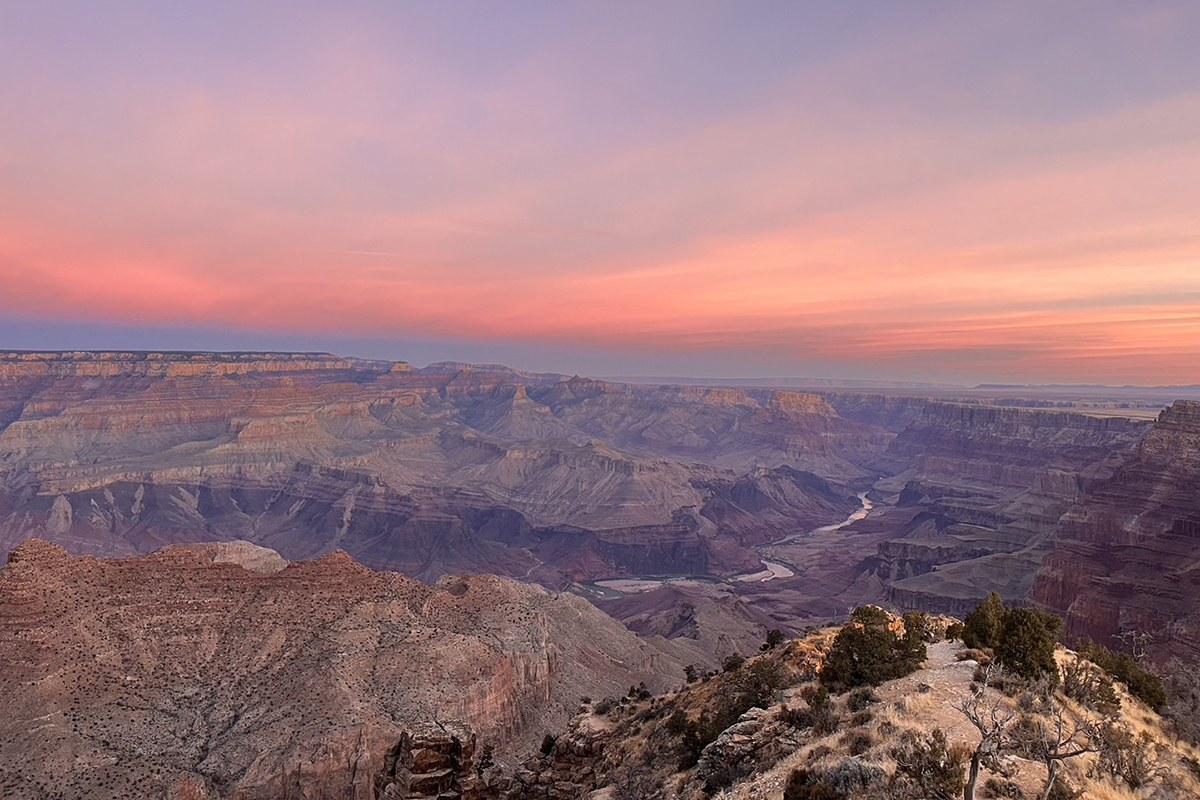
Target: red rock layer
1128,554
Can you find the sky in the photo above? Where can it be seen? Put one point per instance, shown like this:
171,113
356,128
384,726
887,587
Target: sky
943,191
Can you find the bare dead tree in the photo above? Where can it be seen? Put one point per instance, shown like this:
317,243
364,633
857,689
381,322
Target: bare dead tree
1138,643
1055,737
992,718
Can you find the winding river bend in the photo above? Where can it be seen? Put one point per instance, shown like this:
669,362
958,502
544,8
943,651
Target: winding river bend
776,570
772,569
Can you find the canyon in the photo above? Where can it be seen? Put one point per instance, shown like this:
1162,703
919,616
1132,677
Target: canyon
426,472
445,558
557,480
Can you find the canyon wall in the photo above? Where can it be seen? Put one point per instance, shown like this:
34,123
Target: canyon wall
1127,555
978,492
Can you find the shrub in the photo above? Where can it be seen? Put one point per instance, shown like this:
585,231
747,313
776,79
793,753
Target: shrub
1183,697
774,639
803,785
955,630
677,723
1027,641
918,625
604,706
757,685
851,776
1091,686
926,767
745,689
983,626
1126,756
732,663
868,653
723,776
860,698
1062,790
870,615
820,714
856,742
996,787
1143,685
690,673
861,719
487,759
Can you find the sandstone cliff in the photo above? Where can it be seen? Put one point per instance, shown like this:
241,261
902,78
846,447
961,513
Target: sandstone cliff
1127,555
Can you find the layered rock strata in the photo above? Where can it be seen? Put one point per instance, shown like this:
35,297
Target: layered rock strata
1127,555
978,491
445,469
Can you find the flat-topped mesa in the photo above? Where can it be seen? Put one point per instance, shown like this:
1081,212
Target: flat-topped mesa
800,403
1021,419
171,364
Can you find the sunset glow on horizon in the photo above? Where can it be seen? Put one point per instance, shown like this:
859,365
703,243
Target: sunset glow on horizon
926,191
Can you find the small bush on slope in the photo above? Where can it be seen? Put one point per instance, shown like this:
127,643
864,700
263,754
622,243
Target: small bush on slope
927,768
1143,685
868,652
1027,641
1023,639
983,626
1089,685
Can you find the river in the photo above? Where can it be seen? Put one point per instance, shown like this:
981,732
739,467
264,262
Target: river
772,569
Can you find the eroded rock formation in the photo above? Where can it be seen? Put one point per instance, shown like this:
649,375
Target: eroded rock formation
212,671
446,469
979,489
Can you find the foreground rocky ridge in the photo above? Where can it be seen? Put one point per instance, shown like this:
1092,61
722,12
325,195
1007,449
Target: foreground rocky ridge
849,745
218,670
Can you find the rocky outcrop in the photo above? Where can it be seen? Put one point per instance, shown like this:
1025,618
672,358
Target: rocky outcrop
891,412
207,671
1009,447
709,614
433,762
1127,555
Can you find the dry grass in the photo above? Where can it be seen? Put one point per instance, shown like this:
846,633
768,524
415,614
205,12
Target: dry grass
928,699
913,706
